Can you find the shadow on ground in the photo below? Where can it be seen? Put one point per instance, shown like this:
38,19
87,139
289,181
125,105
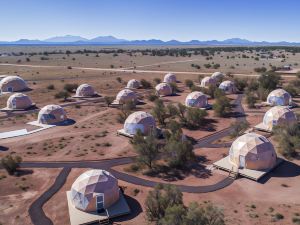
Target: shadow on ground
3,148
285,170
135,208
166,173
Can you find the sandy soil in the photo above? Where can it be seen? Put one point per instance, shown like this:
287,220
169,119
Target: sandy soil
17,193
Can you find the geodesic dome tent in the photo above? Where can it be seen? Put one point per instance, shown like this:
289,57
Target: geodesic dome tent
217,76
140,120
228,87
252,151
85,90
163,89
279,97
125,96
12,84
52,114
208,81
19,101
196,99
279,115
133,83
170,78
94,191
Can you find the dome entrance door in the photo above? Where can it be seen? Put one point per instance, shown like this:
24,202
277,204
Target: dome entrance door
100,203
242,161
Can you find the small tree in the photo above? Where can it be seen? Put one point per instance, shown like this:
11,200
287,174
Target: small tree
269,80
119,79
174,215
70,87
146,84
11,163
251,100
146,147
181,112
108,100
126,110
222,106
159,111
238,128
195,117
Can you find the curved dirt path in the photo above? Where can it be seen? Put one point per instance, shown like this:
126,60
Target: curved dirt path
37,214
124,70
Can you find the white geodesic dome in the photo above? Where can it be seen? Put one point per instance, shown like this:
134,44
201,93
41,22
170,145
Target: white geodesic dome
196,99
277,116
163,89
279,97
140,120
228,87
85,90
170,78
133,84
126,95
52,114
252,151
217,76
208,81
95,190
13,84
19,101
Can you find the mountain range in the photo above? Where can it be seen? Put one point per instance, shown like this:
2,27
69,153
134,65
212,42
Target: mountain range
111,40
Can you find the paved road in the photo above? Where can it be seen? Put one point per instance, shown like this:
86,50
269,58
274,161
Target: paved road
37,214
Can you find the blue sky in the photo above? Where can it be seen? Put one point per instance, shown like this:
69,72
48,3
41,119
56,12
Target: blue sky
271,20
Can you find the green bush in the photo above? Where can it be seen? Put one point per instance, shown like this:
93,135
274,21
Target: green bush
11,163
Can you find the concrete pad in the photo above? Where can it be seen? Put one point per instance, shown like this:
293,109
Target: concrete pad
224,164
78,217
96,95
123,132
14,133
33,106
36,123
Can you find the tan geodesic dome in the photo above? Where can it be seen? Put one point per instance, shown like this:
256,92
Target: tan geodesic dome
12,84
126,95
133,83
228,87
19,101
217,76
140,120
170,78
95,190
279,97
252,151
85,90
52,114
208,81
163,89
196,99
277,116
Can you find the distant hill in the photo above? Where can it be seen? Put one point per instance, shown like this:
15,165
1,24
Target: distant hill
111,40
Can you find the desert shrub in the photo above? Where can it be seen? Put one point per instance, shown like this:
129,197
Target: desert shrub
146,84
69,67
11,163
126,110
157,80
174,88
240,83
159,111
292,90
62,94
152,97
108,100
260,69
119,79
71,88
50,87
189,83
